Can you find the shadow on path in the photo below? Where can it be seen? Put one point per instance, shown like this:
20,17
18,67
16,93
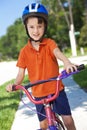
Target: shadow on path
77,96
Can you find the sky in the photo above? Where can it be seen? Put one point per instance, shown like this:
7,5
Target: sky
10,10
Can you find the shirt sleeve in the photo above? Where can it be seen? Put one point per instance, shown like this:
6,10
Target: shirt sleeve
52,46
21,60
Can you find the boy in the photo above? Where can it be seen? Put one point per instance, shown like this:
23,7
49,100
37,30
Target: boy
39,56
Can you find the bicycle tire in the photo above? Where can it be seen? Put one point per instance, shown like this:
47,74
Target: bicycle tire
59,123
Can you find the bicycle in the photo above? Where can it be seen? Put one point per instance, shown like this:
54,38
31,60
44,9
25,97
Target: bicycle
54,122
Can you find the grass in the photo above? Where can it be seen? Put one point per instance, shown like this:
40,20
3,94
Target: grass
68,52
81,78
8,105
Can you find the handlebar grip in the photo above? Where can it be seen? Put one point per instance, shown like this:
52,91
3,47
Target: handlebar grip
81,67
64,74
14,87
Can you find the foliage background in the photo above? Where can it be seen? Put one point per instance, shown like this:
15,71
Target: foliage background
16,38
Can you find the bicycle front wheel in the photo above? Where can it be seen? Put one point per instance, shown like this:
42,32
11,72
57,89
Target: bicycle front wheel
59,123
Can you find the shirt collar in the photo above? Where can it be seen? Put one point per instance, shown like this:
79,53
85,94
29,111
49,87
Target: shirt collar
42,43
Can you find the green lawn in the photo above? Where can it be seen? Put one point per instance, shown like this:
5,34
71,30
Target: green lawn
81,78
8,106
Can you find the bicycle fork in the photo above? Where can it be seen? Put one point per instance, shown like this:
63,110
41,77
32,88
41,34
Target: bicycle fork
50,118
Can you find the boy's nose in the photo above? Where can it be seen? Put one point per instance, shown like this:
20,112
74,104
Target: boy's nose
35,30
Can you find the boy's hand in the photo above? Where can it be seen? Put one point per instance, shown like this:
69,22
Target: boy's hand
70,67
9,87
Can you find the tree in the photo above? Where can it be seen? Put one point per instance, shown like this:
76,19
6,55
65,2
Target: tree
78,9
14,40
3,44
83,36
57,29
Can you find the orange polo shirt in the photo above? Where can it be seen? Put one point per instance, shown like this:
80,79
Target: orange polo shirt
40,65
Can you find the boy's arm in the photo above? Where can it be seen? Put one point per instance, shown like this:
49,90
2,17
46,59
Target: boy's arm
20,76
18,80
67,64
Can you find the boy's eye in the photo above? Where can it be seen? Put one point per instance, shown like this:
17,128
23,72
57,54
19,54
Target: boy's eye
39,26
31,27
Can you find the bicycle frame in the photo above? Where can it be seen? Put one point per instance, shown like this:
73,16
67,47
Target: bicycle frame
46,101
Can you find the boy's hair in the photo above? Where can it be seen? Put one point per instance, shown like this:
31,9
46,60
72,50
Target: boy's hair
40,20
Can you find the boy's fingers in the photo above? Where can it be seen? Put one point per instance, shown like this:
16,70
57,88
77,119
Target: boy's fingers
71,69
9,88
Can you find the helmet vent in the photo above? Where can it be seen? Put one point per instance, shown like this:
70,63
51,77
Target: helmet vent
33,7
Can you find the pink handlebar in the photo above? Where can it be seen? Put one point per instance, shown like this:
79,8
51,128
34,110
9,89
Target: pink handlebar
42,101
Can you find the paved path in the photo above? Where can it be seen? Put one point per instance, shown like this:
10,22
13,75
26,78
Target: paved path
25,119
78,102
8,71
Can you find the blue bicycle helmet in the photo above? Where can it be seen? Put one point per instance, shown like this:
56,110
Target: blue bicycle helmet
35,9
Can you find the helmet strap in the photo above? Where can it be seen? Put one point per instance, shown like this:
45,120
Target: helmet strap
39,40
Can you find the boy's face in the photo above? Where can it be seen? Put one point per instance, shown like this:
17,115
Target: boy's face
35,28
